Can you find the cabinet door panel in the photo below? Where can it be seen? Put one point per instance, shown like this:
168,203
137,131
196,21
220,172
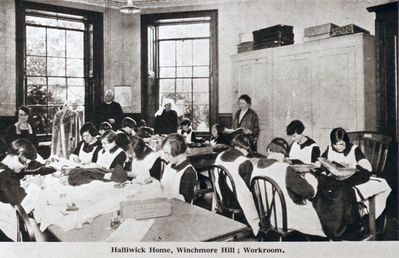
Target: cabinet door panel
292,93
337,89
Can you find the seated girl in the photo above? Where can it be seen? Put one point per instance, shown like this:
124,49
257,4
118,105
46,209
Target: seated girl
240,168
22,128
87,150
187,131
21,153
303,149
219,140
179,177
104,128
344,152
128,127
111,154
146,162
297,188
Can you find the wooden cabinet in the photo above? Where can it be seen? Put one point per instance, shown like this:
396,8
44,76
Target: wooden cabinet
324,83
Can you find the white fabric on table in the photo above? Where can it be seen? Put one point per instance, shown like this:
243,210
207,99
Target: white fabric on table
92,199
377,187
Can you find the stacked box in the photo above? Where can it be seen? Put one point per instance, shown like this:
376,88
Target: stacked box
245,46
272,43
278,35
348,29
319,32
274,33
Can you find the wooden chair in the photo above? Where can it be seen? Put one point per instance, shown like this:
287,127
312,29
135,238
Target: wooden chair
226,202
25,229
375,147
268,200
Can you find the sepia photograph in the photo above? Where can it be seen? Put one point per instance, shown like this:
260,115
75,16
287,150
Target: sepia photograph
152,128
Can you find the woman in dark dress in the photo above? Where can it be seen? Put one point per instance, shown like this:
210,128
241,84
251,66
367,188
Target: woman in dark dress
22,128
247,120
166,118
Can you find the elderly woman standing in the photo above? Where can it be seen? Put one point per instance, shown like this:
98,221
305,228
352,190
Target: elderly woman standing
22,128
166,118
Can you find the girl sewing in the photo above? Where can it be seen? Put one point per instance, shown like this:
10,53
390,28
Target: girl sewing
146,163
342,151
303,149
179,177
87,149
111,154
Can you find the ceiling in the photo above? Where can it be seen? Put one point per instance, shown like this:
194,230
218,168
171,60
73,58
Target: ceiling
152,3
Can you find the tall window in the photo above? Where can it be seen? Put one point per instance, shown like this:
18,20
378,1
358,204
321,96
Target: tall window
54,62
57,61
182,53
184,69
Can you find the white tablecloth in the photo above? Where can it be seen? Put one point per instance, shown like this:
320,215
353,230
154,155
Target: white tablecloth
51,199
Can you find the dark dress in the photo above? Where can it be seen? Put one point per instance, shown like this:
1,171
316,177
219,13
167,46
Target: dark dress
11,135
110,111
166,123
249,121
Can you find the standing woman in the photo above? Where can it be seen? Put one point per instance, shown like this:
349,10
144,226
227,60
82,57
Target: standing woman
166,118
247,119
22,128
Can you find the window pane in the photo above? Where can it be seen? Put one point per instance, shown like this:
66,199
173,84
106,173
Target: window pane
200,85
201,117
167,72
184,30
184,50
201,98
52,81
75,67
76,95
76,81
166,95
166,85
36,95
71,24
55,66
183,85
41,21
201,71
74,44
35,65
58,94
36,80
35,41
56,42
201,52
167,53
184,71
39,117
183,98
